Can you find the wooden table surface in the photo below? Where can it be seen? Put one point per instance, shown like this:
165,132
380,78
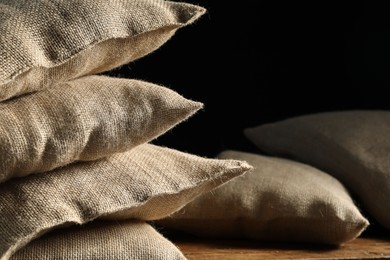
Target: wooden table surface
370,245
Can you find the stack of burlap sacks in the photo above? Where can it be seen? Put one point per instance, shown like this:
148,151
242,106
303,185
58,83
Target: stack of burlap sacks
79,178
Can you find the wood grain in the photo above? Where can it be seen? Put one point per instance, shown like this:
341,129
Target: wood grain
368,246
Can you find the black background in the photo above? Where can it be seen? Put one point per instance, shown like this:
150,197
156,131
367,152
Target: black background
253,62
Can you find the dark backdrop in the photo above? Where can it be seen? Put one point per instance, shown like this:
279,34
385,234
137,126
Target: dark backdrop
253,62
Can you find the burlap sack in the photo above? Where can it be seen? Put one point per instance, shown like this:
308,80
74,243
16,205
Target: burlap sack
102,240
148,182
351,145
44,42
84,119
279,200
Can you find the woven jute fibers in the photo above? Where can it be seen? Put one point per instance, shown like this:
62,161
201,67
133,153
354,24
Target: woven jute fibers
44,42
102,240
84,119
279,200
353,146
148,183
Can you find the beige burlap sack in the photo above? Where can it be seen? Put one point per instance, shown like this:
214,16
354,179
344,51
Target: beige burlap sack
279,200
148,182
102,240
45,42
84,119
351,145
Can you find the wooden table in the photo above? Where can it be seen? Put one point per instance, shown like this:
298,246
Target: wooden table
373,244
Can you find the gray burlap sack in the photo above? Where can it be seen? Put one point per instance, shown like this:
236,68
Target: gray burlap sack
279,200
351,145
148,182
102,240
44,42
84,119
